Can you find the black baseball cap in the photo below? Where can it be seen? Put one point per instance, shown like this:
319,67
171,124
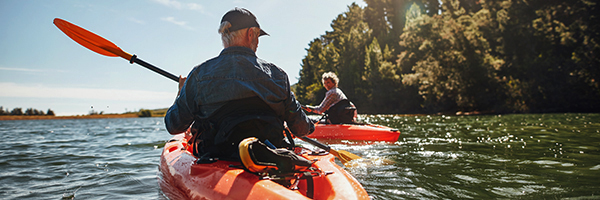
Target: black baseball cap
240,18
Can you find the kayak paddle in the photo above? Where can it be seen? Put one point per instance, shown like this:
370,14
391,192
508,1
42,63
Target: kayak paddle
344,156
102,46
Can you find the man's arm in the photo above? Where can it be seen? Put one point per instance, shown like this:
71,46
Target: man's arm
296,119
179,118
330,99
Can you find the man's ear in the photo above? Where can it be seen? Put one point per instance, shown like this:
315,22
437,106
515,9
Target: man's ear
249,34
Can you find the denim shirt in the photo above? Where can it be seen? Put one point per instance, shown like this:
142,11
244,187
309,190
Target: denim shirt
235,74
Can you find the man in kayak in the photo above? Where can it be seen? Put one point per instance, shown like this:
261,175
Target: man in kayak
336,105
236,95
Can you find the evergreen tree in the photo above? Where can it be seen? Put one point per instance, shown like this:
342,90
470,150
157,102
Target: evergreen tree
50,112
406,56
16,111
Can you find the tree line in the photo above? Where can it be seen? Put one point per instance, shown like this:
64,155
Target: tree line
28,111
431,56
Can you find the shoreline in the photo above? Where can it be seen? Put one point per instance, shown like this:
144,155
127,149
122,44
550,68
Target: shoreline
47,117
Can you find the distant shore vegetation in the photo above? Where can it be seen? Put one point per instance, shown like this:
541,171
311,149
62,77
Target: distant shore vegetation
28,111
33,114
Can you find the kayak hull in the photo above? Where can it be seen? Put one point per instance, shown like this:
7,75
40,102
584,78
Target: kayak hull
181,178
358,132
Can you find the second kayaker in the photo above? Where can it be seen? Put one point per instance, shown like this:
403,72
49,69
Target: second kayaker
336,105
236,95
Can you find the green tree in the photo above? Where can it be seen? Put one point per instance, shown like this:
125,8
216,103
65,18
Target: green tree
334,51
450,59
350,36
29,111
542,43
365,64
383,80
145,113
467,55
50,112
16,111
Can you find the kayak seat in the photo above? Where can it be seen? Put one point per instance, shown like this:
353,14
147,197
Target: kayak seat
257,157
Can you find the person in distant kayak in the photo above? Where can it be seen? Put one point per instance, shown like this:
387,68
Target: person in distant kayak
336,105
236,95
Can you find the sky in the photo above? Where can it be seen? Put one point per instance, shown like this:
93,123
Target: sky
42,68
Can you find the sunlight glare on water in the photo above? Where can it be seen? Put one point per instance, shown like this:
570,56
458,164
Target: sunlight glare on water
533,156
529,156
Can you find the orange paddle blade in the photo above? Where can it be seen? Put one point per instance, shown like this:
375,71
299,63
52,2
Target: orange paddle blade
90,40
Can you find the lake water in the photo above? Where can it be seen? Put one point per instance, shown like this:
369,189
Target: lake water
520,156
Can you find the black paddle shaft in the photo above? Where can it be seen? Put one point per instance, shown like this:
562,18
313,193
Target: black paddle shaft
134,59
318,144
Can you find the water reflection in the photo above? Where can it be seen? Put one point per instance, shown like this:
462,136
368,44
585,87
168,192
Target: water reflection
496,156
524,156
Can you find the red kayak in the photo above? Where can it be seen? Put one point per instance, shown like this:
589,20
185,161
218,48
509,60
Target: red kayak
181,178
362,132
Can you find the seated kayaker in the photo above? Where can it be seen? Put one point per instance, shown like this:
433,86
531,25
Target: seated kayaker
235,96
335,105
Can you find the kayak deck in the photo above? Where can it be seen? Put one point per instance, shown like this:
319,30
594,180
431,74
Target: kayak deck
181,178
357,132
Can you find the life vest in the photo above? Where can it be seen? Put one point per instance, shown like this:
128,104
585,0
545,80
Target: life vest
220,134
342,112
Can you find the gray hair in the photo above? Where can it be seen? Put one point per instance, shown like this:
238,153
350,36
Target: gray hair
332,76
230,38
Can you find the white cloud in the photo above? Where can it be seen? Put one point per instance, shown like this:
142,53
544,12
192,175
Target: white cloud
170,3
172,20
193,6
181,6
20,69
179,23
16,90
137,20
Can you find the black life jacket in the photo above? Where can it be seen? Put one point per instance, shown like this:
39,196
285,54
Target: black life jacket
220,134
341,112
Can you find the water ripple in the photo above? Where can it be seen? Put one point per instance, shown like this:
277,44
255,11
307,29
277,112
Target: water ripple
522,156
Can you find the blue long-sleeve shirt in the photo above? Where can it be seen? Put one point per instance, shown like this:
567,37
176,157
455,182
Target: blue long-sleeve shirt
235,74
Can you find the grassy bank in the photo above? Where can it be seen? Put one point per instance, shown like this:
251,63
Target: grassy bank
40,117
153,113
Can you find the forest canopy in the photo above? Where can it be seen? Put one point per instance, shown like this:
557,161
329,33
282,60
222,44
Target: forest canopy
431,56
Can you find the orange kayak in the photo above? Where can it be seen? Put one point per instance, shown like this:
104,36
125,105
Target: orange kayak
362,132
181,178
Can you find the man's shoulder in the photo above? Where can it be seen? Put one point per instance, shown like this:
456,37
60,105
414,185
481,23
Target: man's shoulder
206,64
271,65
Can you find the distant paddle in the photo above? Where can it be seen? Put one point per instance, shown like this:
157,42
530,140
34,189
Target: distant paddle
103,46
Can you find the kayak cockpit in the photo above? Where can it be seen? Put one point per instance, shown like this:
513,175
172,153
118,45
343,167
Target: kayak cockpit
180,174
